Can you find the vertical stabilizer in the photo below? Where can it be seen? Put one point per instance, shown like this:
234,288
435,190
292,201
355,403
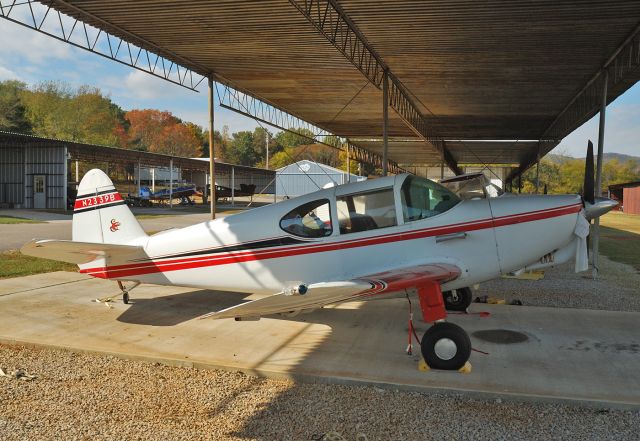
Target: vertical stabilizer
100,215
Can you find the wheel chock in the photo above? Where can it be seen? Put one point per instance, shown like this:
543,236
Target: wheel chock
466,369
424,367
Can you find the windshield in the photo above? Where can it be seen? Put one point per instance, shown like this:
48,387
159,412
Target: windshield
473,187
422,198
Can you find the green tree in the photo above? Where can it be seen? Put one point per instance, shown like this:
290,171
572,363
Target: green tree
12,111
290,139
242,151
55,110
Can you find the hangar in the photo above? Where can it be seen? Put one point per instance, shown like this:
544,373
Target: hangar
398,84
305,176
36,172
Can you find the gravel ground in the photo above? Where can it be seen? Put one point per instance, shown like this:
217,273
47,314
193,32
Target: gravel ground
80,396
616,289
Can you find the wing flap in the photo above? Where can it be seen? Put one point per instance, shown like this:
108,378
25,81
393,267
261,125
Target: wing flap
79,252
325,293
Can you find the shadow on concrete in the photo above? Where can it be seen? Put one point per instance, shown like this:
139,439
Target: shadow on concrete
178,308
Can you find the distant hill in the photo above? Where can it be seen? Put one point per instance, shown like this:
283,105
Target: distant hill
621,157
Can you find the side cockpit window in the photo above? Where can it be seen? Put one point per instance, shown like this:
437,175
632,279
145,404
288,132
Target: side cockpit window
366,211
422,198
312,219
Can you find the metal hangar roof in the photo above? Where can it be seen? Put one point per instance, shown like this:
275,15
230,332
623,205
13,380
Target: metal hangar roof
464,76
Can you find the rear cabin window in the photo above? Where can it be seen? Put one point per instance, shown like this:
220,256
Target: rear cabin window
366,211
422,198
312,219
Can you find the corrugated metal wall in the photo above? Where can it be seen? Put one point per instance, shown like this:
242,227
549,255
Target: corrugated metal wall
631,200
305,177
48,161
19,165
262,179
12,177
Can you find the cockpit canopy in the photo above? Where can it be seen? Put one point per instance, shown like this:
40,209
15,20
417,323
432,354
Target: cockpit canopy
472,186
416,199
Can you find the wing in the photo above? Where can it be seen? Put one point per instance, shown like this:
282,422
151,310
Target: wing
79,252
325,293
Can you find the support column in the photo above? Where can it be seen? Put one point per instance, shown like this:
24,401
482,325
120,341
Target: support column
598,187
520,183
65,179
77,175
233,186
441,170
538,171
385,123
153,180
206,190
138,195
348,162
171,183
212,150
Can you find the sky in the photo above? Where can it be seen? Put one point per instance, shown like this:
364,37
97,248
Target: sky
31,57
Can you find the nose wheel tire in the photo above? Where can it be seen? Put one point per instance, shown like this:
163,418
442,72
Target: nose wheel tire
457,299
445,346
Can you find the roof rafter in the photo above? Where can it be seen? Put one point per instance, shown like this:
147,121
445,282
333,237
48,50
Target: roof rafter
103,38
332,22
621,64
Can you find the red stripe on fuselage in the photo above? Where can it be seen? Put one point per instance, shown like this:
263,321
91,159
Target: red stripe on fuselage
251,255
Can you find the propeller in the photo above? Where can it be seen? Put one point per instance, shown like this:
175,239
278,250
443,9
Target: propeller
588,188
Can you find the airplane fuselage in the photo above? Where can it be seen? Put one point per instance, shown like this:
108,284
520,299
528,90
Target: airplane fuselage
268,249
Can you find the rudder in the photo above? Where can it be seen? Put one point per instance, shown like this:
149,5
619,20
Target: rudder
100,215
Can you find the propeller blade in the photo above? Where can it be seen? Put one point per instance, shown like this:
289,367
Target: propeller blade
588,188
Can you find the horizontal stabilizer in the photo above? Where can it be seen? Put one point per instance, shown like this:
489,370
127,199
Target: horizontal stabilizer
80,252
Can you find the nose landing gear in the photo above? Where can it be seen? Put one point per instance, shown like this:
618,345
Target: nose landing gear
457,299
444,345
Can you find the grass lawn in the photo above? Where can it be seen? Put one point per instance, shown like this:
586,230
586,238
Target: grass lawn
17,220
15,264
620,237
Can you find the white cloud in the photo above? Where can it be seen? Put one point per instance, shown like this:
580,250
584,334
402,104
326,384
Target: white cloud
6,74
19,42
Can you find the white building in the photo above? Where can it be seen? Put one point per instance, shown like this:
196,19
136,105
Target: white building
304,177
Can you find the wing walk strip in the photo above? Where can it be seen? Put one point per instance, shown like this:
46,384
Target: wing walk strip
252,255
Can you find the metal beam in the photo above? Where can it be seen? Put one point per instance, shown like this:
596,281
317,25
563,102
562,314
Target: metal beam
247,105
332,22
620,65
598,187
586,103
133,52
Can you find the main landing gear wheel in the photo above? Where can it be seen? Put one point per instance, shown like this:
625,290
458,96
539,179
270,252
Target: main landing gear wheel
457,299
125,298
445,346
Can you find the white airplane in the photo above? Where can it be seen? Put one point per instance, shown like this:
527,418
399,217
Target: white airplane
351,242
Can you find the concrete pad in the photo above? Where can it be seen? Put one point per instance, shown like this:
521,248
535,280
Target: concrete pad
584,356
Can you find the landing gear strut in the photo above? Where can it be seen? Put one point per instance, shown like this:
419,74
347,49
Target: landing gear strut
444,345
457,299
124,293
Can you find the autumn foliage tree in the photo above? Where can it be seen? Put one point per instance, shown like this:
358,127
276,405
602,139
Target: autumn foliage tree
161,132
